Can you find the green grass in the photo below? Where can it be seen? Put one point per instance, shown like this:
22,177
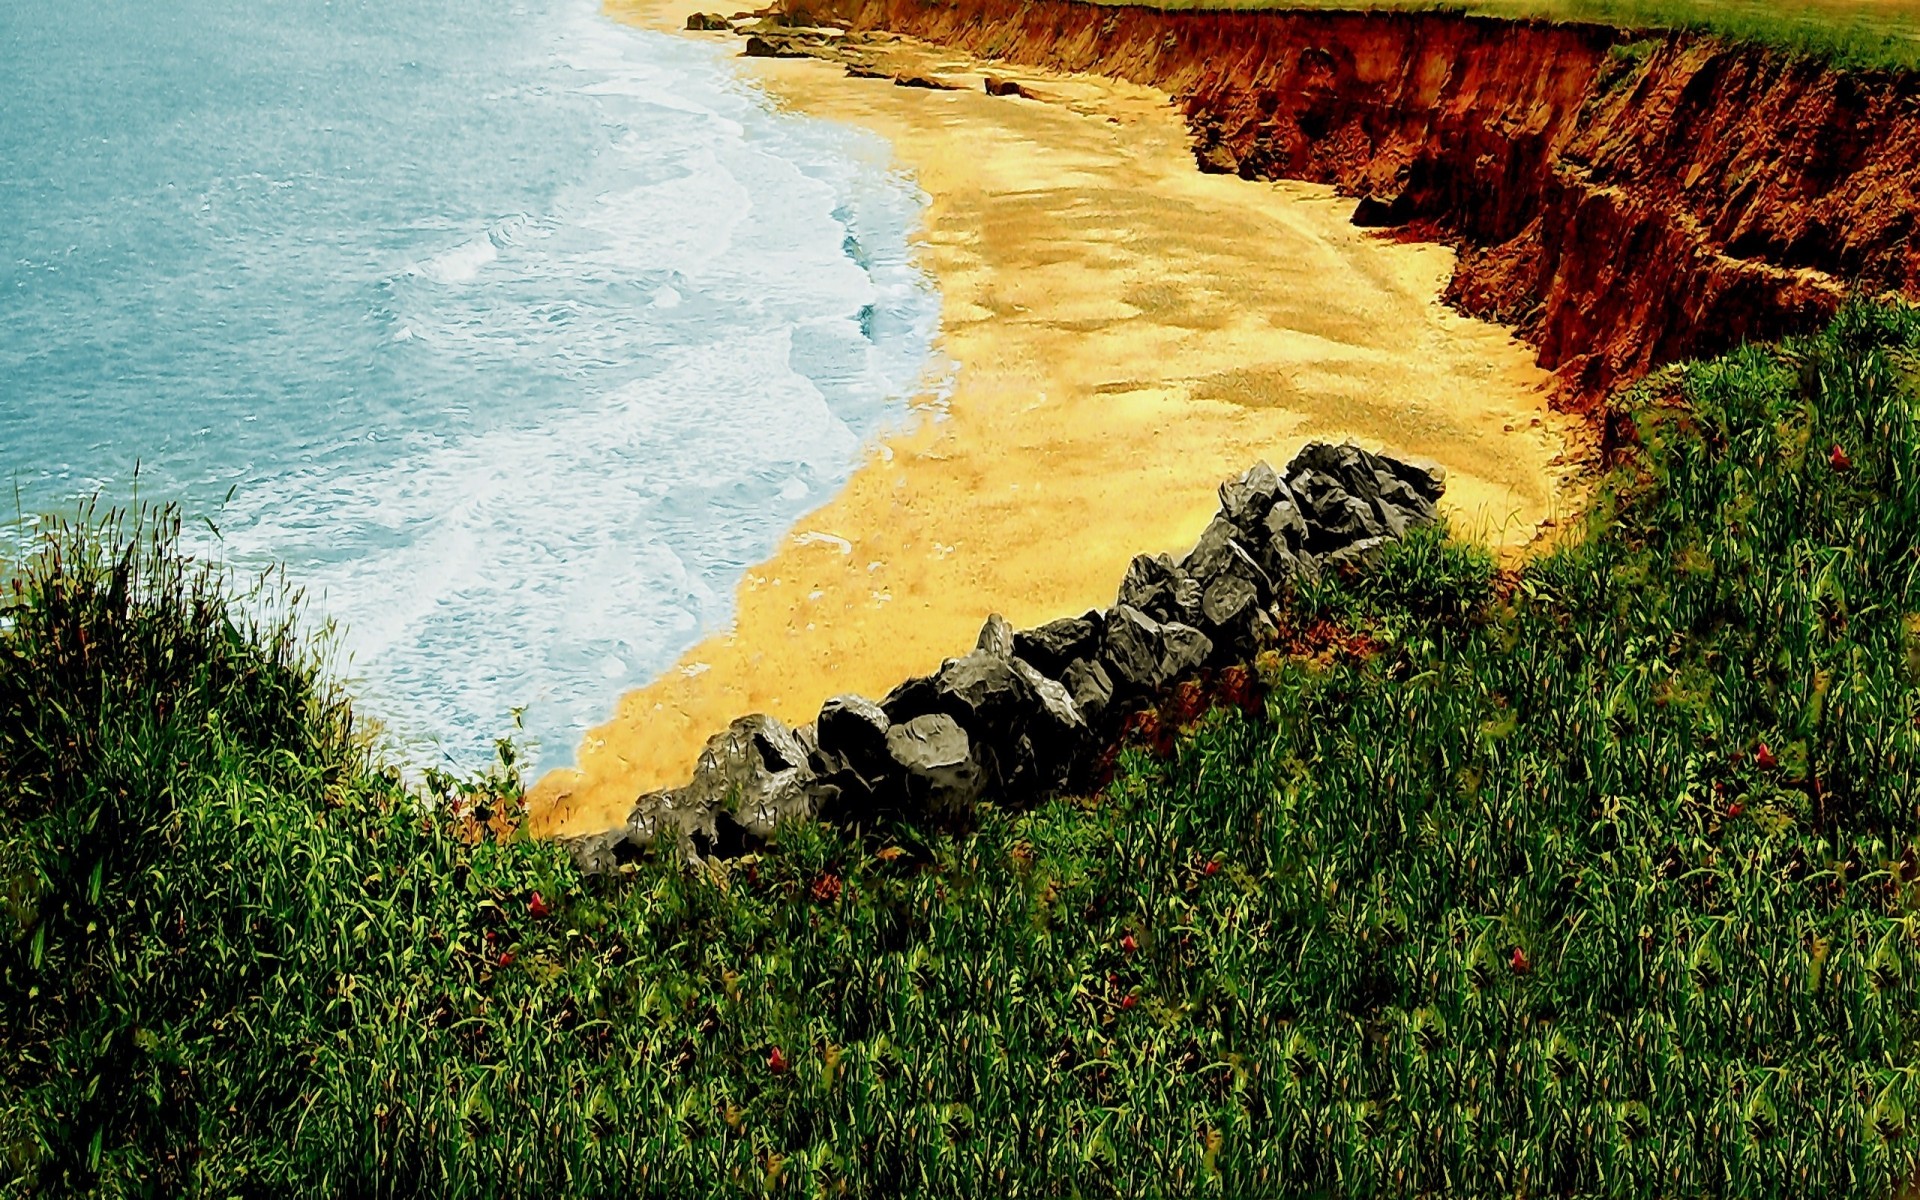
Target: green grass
1853,33
239,958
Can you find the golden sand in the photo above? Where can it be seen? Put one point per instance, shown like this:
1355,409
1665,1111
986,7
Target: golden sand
1128,332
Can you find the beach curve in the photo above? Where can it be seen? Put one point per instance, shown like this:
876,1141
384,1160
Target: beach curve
1127,331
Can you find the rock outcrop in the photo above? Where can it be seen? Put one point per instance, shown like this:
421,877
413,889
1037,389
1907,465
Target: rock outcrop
1026,713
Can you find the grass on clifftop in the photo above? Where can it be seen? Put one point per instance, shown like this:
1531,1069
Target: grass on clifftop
1598,879
1856,33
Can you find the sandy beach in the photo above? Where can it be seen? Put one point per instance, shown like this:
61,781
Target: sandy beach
1125,332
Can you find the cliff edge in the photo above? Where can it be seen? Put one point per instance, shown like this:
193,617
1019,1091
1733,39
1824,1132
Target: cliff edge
1625,199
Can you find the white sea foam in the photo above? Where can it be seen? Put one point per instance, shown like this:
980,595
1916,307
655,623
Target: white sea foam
726,359
519,334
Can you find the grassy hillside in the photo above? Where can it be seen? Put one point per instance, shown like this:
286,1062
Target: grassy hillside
1597,879
1870,33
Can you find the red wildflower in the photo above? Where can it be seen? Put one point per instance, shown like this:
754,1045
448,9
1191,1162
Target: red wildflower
1129,1001
506,959
1520,964
538,906
1763,757
1128,944
1733,810
776,1061
826,889
1839,459
1212,867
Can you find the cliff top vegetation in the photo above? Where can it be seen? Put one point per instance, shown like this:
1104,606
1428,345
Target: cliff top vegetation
1598,878
1859,33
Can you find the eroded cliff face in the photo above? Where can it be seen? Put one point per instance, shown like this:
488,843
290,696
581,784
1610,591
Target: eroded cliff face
1623,200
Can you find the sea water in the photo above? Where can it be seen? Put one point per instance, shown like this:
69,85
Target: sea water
514,333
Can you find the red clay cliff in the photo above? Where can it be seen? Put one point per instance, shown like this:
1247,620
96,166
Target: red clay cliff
1624,200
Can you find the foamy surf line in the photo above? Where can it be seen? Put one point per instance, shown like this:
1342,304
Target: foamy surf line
569,396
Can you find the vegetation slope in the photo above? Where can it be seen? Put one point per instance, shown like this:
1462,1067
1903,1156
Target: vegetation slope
1597,878
1857,33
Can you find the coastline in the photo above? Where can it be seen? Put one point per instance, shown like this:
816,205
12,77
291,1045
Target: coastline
1127,332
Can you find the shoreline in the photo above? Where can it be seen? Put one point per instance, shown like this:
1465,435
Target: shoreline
1127,332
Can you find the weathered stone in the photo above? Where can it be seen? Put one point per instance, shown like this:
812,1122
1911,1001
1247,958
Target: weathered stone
984,692
754,774
1057,732
1429,479
1091,688
1149,584
911,698
1215,159
1335,516
852,732
930,82
1230,603
1053,645
1285,527
996,637
1182,649
936,757
1056,702
763,47
1142,654
779,749
1131,650
599,853
1187,594
1346,464
1245,501
1361,555
708,23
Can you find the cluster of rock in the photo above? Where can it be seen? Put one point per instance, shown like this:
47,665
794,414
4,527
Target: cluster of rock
1025,714
797,34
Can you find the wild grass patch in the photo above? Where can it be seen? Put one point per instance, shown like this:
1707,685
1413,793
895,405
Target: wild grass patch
1595,878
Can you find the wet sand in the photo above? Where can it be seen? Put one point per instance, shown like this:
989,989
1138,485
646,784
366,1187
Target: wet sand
1126,332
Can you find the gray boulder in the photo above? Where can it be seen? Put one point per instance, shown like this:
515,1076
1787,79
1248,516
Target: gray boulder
1358,556
1244,501
852,736
1335,516
753,775
1285,528
1053,645
598,853
1155,585
1228,609
935,756
1057,732
1142,654
1091,688
1221,552
1131,651
996,637
984,692
1427,479
910,698
1183,650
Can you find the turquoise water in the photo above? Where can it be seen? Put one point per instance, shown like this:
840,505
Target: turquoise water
514,333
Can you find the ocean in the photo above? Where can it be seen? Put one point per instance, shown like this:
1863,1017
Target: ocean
515,334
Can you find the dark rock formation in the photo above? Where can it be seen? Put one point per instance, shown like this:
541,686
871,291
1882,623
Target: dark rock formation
708,23
936,757
1023,715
